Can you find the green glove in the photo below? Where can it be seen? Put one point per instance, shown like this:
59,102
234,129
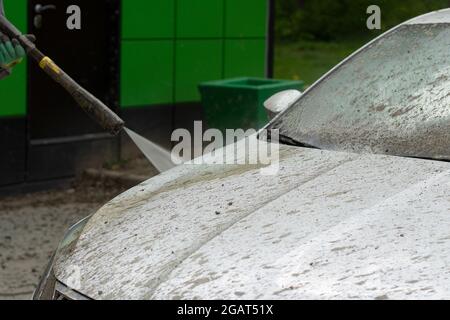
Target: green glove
11,52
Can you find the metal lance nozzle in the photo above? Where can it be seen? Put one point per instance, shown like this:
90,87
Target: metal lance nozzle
96,109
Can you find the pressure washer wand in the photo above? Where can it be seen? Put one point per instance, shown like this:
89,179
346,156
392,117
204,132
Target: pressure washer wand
104,116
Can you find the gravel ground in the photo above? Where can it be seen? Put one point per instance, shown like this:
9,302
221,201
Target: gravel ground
32,225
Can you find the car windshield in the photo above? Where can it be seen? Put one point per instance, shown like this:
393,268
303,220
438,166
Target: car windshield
393,97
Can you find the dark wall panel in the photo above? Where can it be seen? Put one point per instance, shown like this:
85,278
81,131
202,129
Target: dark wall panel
12,150
55,160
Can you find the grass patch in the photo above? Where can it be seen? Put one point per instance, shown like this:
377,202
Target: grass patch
308,60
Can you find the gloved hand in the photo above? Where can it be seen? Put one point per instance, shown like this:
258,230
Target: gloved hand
11,52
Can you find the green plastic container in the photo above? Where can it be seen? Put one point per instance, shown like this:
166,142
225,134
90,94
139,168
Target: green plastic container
239,103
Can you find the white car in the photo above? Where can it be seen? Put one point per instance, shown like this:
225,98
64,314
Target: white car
360,208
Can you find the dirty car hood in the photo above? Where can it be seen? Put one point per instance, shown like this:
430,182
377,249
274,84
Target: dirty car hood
329,225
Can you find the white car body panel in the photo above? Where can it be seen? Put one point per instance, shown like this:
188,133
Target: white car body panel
440,16
329,225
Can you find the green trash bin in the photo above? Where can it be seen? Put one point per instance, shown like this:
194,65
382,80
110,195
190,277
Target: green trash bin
239,103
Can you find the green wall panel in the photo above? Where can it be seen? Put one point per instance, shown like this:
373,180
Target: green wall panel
197,61
13,89
145,19
246,18
200,18
147,72
245,58
16,11
197,29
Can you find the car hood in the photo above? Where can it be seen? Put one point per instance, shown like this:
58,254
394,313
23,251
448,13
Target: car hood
328,225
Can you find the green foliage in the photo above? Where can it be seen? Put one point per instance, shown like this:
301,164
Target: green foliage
309,60
335,19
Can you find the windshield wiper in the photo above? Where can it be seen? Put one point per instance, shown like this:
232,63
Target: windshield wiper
283,139
292,142
427,158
